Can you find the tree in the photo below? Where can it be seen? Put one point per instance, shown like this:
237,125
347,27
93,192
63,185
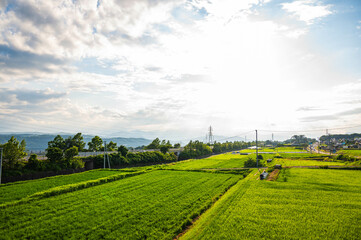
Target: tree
164,149
95,144
33,162
111,146
177,145
78,142
75,141
58,142
155,144
54,154
71,152
13,151
123,150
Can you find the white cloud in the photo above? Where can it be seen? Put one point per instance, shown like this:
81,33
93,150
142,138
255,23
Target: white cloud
161,74
307,10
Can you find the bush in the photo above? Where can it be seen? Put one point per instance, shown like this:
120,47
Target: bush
76,163
252,163
33,162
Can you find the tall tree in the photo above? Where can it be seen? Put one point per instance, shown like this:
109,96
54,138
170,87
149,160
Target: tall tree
123,150
111,146
95,144
155,144
58,142
13,151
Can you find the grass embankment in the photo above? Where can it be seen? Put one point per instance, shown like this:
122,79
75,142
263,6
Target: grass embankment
18,190
154,205
309,204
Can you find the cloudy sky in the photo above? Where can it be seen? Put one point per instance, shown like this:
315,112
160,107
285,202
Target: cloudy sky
169,69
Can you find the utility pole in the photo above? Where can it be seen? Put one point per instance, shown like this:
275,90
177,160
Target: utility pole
257,148
210,135
1,161
105,146
108,161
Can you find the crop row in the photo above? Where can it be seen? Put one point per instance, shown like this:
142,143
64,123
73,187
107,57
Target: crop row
303,204
18,190
155,205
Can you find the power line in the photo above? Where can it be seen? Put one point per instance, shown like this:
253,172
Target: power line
310,130
239,135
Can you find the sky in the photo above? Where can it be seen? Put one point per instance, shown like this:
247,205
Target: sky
170,69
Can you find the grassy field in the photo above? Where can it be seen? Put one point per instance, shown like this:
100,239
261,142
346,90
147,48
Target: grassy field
227,160
154,205
303,204
274,150
18,190
302,162
354,153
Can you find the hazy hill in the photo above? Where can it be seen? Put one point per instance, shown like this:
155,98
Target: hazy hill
36,142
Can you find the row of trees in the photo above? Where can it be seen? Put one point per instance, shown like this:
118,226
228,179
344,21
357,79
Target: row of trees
133,159
163,145
195,149
96,144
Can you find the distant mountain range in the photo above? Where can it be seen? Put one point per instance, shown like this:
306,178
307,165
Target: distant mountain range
38,141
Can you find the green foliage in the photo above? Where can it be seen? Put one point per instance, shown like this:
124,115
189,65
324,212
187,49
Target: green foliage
155,205
177,145
123,150
54,154
13,151
346,158
229,146
251,163
111,146
95,144
58,142
76,141
195,149
164,149
34,163
70,153
155,144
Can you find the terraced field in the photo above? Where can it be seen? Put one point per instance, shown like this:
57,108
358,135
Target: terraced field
154,205
303,204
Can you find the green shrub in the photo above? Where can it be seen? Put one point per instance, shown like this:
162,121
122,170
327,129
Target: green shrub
250,162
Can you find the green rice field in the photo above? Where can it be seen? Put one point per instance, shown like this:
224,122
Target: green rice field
210,198
18,190
154,205
227,160
302,162
303,204
353,153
